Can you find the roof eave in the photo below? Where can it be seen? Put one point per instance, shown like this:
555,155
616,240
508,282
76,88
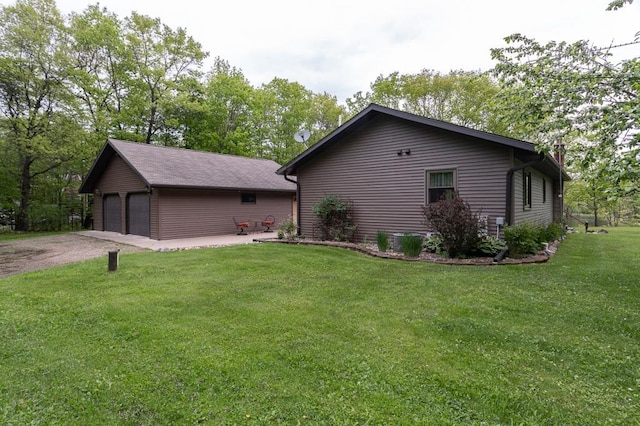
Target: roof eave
291,167
221,188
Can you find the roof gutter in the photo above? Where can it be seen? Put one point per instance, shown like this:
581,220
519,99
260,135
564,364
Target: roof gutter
509,195
287,178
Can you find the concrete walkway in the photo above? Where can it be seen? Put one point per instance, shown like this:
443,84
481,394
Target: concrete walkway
180,243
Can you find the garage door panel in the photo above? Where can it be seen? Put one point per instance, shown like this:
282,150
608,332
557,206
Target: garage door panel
111,213
138,214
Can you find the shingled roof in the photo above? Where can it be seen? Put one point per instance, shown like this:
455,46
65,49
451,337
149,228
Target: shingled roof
160,166
374,111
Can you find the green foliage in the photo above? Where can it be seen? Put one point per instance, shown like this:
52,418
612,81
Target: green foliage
522,239
551,233
459,97
287,229
456,224
335,219
411,245
490,246
433,244
326,336
617,4
382,239
575,94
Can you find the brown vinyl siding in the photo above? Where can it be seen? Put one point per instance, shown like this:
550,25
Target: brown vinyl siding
98,224
154,217
540,212
118,178
194,213
388,190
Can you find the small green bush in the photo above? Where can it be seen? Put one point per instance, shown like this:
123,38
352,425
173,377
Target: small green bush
287,229
552,232
335,219
411,245
383,241
522,239
490,246
433,244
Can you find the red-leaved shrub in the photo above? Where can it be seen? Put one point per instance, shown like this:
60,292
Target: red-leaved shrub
456,224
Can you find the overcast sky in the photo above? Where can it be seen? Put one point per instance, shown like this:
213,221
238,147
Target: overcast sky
340,47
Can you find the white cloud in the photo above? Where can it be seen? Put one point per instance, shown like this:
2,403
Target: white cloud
340,47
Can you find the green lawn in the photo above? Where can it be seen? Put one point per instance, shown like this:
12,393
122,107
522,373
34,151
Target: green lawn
11,235
283,334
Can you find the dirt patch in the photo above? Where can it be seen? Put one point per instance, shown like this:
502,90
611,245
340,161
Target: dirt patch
33,254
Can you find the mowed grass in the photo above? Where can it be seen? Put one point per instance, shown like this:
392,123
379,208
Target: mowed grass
284,334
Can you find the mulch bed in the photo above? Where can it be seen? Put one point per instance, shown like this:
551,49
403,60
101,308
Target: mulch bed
372,250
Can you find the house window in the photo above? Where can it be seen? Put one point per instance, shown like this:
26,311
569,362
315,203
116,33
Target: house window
526,190
441,185
544,190
248,198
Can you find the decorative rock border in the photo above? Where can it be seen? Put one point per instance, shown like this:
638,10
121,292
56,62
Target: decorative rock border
372,250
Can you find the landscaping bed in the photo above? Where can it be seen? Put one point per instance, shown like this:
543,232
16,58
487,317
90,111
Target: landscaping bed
425,256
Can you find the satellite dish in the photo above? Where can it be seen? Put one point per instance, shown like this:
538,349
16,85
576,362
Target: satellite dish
302,136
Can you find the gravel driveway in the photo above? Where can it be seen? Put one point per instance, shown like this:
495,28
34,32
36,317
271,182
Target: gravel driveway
32,254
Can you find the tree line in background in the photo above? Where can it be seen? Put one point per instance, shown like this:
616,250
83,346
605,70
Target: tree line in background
69,82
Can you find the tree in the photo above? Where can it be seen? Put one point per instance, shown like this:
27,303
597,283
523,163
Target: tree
36,104
325,115
219,120
573,93
165,63
460,97
617,4
102,71
279,109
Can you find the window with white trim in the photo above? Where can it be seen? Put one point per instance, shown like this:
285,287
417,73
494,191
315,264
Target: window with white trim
440,185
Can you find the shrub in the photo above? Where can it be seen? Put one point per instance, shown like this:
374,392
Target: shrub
411,245
553,232
433,244
287,229
383,240
335,219
456,224
522,239
490,246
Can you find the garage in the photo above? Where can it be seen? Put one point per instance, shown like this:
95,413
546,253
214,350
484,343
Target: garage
111,211
138,214
164,193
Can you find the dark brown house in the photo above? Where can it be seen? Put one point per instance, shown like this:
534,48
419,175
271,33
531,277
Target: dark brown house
389,163
166,193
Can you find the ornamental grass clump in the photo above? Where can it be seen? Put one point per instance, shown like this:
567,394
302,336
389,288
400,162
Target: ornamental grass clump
411,245
383,241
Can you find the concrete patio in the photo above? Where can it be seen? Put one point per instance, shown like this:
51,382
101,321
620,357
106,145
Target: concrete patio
180,243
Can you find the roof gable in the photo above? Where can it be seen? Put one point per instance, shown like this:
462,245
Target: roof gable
160,166
373,111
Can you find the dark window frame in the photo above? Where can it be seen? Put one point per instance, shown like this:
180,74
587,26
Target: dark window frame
248,198
544,191
435,194
526,190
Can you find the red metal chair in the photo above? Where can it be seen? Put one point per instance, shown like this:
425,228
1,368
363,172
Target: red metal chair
268,222
241,227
